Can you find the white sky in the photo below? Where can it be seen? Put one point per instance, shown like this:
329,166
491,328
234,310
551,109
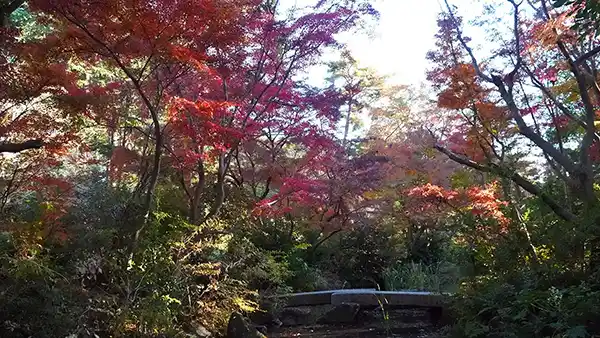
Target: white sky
402,38
405,34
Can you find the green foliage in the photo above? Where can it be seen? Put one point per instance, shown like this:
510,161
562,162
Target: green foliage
308,277
526,307
440,277
86,285
28,24
365,253
261,269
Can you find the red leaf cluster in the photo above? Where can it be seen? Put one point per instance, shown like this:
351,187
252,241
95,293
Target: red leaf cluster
479,201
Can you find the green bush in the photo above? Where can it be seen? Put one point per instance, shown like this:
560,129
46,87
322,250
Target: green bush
86,284
526,308
261,269
440,277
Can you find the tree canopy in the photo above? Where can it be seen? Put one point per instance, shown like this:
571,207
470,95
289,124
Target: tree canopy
166,163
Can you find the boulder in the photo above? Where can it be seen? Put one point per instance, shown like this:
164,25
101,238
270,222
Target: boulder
292,316
262,329
263,318
341,313
238,327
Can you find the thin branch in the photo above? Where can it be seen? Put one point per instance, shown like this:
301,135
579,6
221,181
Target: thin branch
537,83
587,55
526,131
515,177
18,147
463,42
267,188
519,62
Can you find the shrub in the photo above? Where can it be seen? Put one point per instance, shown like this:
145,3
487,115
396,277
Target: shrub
440,277
526,308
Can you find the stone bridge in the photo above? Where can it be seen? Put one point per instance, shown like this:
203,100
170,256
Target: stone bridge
354,313
366,297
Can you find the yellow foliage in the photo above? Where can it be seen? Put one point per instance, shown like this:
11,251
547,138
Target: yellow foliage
246,305
544,252
372,194
569,88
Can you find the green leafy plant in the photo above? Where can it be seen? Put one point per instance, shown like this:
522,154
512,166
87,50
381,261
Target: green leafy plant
440,277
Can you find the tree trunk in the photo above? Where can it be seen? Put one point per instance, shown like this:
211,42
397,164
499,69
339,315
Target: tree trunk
219,188
153,180
517,216
195,204
18,147
347,126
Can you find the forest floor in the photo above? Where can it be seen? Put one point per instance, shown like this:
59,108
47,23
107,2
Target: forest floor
403,323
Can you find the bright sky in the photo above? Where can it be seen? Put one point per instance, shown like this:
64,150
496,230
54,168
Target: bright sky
405,34
402,38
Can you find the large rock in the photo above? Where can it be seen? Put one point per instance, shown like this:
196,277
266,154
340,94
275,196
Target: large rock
293,316
238,327
200,331
263,318
342,313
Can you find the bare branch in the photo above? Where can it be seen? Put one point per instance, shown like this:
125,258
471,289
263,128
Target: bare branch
519,62
18,147
463,42
538,84
587,55
526,131
515,177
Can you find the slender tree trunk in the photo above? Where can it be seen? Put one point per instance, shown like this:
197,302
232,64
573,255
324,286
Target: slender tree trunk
523,225
153,180
347,126
219,189
410,239
196,196
290,236
193,218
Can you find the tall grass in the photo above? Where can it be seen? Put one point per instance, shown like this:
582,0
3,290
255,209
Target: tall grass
441,277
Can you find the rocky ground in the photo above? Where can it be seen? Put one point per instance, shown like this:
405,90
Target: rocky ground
350,321
399,323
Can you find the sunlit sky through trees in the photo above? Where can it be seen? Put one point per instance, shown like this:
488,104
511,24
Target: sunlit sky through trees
401,38
397,44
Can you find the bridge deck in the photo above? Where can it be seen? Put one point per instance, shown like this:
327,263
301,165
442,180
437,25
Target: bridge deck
397,298
365,297
315,297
